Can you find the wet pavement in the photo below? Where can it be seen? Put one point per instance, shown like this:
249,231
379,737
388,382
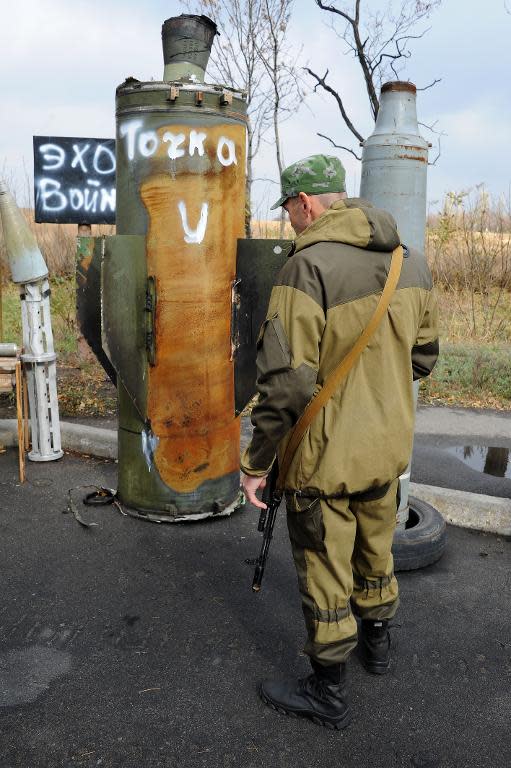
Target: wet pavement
487,459
133,644
439,460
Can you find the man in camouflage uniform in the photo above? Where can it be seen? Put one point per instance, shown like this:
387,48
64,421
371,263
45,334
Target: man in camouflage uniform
342,485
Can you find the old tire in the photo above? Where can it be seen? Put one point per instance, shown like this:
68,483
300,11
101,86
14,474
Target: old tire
423,540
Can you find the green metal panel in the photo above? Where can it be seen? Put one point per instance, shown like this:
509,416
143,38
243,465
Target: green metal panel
142,489
123,314
257,264
88,297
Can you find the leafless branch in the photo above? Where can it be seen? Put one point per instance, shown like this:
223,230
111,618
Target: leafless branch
401,52
430,127
439,134
322,82
338,11
379,39
434,82
439,151
339,146
274,53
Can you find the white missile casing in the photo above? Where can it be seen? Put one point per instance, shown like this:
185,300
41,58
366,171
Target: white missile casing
29,270
25,259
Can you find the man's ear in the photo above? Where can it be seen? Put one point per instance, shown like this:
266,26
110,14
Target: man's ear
305,202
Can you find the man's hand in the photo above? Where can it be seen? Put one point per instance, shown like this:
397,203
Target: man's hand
250,486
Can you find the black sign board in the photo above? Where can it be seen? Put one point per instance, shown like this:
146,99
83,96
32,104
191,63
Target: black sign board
74,180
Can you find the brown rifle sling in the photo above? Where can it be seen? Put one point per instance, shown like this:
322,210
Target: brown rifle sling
344,367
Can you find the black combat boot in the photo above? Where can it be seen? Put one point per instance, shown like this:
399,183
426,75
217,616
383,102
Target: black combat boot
374,646
317,697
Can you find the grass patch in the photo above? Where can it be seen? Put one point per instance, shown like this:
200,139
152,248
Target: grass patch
481,318
83,386
475,376
63,315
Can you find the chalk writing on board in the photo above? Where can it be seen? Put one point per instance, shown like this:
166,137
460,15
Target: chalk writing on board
74,180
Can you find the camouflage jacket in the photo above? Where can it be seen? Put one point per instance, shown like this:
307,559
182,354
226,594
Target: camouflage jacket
322,300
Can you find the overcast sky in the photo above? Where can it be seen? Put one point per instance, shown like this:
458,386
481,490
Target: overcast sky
62,59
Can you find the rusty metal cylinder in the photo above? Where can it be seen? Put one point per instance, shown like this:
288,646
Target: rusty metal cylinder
394,177
395,162
187,41
181,185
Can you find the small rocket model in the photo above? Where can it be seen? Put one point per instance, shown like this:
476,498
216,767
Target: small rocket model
29,271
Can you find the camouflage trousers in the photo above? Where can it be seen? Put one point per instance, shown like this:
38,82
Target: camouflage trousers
342,553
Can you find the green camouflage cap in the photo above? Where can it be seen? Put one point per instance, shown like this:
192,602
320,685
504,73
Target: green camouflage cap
313,175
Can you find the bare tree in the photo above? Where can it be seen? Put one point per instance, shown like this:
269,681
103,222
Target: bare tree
236,61
252,54
380,40
281,69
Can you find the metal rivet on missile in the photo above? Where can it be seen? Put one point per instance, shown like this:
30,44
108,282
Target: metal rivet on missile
199,98
173,93
226,98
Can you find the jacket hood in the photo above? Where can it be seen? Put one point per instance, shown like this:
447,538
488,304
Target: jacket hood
352,221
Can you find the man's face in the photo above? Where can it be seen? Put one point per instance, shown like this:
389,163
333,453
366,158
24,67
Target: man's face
299,211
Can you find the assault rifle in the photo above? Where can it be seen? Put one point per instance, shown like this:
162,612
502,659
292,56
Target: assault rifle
272,498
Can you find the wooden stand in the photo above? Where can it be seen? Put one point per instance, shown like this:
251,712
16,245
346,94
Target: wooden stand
11,377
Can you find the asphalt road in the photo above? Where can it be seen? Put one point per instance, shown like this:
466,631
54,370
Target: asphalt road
132,644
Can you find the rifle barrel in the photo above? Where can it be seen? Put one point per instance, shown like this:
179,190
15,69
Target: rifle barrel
271,498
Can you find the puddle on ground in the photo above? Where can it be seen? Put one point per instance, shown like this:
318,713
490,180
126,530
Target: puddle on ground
491,461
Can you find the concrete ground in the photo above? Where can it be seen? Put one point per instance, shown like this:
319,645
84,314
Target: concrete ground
131,644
